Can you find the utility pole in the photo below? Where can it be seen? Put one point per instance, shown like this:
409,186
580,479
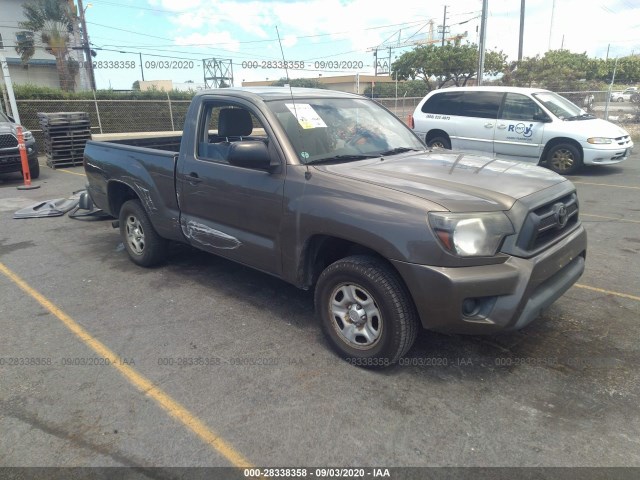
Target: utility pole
483,40
520,41
141,69
9,86
444,24
87,48
553,14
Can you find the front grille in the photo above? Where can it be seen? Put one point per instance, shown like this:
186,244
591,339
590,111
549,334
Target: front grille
548,223
8,141
623,141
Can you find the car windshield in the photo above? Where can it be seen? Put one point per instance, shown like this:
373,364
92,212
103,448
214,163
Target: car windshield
559,106
3,118
342,129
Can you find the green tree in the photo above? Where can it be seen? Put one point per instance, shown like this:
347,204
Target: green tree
135,85
439,65
49,24
557,70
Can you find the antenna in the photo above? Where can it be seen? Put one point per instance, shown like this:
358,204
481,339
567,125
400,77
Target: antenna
284,61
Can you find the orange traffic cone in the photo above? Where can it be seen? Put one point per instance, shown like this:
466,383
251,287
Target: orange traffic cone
25,162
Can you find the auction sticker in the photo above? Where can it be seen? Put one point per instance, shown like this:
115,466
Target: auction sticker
305,114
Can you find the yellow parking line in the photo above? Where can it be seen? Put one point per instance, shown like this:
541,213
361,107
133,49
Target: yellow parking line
72,173
170,405
606,185
609,292
609,218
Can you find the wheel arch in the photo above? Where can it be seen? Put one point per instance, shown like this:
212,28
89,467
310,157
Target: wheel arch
117,194
436,132
557,141
320,251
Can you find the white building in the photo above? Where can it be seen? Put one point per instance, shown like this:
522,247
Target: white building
41,68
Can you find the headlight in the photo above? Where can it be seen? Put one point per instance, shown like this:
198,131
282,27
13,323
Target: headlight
27,135
471,234
599,140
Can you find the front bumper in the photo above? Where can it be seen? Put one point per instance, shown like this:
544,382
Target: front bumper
606,156
507,296
10,159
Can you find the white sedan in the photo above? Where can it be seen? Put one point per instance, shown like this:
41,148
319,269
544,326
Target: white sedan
624,96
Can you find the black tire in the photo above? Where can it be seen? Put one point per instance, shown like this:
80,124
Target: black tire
364,289
620,100
143,244
34,170
439,142
564,159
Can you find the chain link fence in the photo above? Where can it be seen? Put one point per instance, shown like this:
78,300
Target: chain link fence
125,116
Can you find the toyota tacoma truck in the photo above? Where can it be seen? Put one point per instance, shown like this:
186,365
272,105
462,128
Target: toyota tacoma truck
331,191
10,154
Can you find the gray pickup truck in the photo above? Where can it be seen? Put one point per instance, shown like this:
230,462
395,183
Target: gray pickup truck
331,191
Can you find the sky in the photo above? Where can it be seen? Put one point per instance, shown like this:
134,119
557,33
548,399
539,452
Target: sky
333,37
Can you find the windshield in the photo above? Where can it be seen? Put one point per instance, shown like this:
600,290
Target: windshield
3,118
558,105
342,129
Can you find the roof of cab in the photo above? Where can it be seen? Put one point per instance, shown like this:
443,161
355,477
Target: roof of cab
279,93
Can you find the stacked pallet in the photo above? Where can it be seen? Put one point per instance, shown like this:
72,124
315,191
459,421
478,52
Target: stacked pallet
65,135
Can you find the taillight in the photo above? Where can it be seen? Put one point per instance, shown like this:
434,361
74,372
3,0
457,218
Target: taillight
410,121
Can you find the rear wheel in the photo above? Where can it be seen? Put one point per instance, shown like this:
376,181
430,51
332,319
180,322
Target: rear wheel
564,159
143,244
439,142
365,311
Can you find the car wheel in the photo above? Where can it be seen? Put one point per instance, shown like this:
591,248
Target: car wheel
564,159
365,311
143,244
620,100
34,170
439,142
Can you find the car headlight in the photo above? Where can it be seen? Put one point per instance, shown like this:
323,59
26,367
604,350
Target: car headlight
27,135
471,234
599,140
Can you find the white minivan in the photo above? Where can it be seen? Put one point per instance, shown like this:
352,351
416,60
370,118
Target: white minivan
527,124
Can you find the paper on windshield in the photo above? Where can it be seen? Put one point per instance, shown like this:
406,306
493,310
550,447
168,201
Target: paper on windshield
305,114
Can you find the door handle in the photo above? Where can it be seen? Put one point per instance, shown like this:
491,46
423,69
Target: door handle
488,125
502,126
193,178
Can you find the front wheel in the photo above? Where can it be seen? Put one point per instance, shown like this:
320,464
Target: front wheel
564,159
365,311
143,244
439,142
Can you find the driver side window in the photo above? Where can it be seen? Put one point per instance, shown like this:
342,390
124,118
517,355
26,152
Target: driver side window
520,107
222,124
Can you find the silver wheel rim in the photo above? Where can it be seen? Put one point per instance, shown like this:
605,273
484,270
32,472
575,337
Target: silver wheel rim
438,145
562,160
135,235
355,316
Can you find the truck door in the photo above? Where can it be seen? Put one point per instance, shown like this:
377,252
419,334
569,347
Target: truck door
229,210
476,123
520,129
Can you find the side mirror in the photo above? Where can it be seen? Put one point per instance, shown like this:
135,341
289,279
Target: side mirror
541,117
250,154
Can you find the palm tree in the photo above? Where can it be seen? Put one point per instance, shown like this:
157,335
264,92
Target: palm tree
49,24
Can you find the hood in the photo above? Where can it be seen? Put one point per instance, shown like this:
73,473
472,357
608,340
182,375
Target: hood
459,182
593,127
6,127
